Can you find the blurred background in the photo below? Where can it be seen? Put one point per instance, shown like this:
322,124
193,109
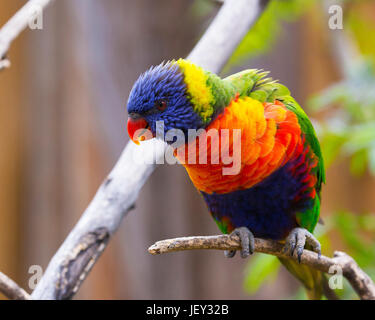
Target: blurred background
62,127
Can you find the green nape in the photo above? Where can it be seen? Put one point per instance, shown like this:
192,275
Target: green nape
222,92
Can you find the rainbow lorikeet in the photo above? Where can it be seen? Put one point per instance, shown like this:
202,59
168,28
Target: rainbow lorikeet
275,193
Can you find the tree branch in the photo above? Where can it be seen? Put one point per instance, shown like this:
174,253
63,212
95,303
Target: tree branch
12,29
216,36
11,289
358,279
116,196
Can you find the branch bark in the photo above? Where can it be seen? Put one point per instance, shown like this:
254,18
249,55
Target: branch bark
118,193
359,280
11,289
15,25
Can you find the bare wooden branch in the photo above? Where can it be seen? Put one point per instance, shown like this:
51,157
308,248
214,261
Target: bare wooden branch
4,63
16,25
117,195
77,266
358,279
11,289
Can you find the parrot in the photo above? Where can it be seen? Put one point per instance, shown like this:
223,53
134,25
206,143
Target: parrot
276,192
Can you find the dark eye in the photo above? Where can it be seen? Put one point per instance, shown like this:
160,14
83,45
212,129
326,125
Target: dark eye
161,105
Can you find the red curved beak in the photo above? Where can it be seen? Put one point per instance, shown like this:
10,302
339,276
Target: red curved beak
137,130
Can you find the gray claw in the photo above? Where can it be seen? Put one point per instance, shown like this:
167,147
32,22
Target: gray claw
297,239
247,243
229,253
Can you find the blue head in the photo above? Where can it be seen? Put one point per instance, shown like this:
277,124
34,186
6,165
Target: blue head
160,94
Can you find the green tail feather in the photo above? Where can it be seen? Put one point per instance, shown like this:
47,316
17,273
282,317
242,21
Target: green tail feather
312,279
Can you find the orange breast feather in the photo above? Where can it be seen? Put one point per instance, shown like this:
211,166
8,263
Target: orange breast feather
269,136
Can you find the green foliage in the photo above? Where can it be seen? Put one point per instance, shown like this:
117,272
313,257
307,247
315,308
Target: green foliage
348,129
268,28
301,294
261,269
201,8
361,23
355,235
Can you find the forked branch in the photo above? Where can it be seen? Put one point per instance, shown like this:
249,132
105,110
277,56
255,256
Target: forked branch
359,280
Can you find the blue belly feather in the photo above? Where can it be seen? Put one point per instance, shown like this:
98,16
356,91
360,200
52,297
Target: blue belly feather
267,209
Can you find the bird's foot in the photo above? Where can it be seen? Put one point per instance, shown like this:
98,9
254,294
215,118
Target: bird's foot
296,241
247,243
